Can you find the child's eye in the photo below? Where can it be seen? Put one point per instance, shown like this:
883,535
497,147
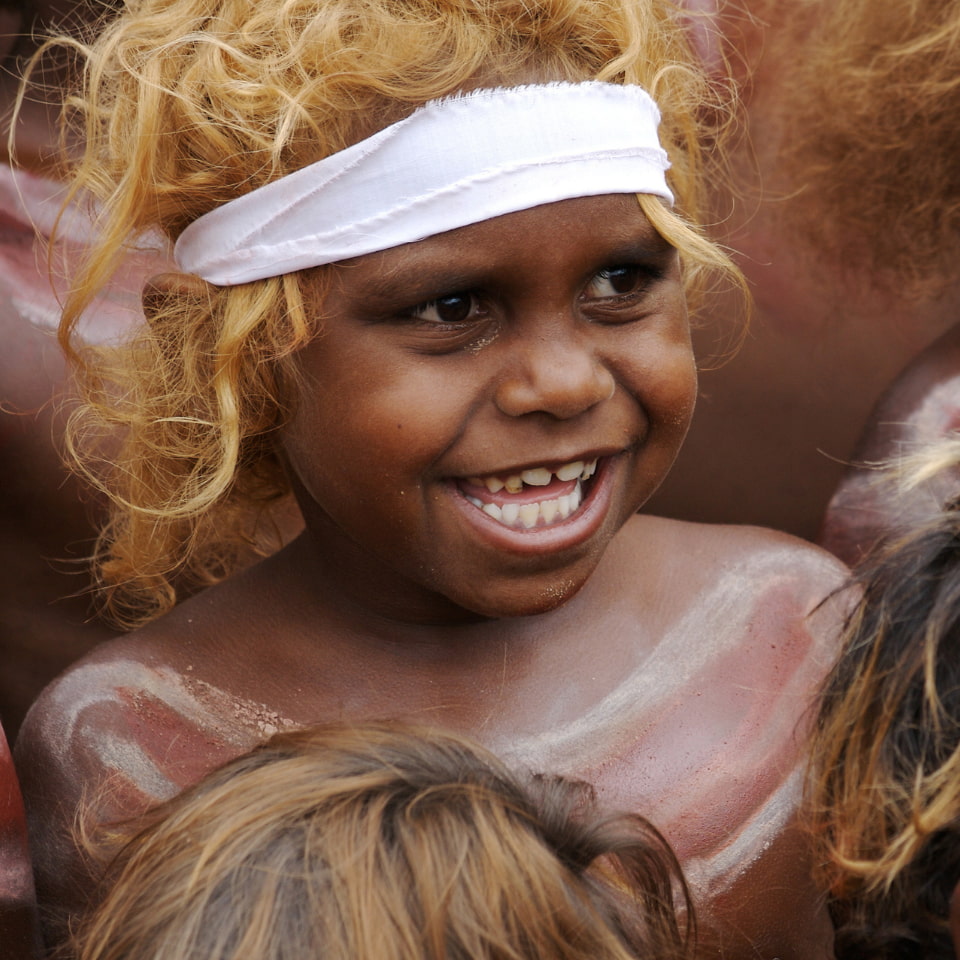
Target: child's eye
617,281
455,308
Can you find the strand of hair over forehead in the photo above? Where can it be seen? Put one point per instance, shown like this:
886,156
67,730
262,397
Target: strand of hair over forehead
189,103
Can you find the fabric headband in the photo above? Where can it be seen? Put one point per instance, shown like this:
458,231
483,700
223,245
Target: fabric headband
454,161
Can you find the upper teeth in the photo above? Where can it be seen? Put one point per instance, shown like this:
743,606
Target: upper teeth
537,476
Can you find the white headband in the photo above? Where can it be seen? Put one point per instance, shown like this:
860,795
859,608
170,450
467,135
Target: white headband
452,162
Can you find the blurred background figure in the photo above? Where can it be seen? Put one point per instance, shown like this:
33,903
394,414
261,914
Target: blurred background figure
872,505
18,921
47,618
845,214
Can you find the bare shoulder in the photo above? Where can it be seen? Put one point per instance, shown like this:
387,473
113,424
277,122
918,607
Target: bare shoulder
86,721
17,901
752,569
920,408
116,733
722,545
707,735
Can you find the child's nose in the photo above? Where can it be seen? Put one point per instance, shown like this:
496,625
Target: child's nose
557,376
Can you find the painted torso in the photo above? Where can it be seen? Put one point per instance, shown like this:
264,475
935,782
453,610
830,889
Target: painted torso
692,714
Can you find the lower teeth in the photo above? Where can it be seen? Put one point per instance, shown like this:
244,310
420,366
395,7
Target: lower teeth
530,515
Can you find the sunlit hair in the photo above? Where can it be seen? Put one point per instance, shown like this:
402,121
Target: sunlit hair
885,784
385,843
871,134
182,105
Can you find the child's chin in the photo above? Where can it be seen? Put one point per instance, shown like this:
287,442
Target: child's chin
525,599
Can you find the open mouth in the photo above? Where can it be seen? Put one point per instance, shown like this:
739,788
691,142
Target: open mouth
536,497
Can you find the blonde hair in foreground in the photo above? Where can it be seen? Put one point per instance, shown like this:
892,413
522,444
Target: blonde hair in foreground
885,785
385,843
184,105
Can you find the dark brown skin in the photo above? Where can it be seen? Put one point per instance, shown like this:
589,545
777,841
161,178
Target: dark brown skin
777,424
669,664
921,407
18,912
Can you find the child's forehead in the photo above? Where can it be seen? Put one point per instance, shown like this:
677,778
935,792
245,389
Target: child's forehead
581,232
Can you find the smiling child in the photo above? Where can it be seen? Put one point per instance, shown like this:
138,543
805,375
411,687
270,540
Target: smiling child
434,271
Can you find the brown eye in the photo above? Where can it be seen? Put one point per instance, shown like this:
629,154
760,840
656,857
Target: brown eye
616,281
456,308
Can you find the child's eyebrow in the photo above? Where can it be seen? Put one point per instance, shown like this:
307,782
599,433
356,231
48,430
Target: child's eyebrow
444,270
649,246
414,279
414,283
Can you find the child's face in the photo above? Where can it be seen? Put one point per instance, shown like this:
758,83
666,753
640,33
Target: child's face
447,368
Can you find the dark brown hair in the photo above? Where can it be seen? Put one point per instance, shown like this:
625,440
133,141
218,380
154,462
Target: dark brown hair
885,784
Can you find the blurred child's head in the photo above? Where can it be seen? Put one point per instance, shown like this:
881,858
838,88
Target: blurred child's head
376,843
885,784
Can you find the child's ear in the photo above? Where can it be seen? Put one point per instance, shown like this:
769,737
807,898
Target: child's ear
161,289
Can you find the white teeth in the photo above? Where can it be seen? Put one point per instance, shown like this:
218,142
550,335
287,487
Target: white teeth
576,495
492,510
537,477
570,471
529,515
509,513
544,512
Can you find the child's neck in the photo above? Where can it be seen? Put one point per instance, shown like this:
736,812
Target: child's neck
375,659
346,582
391,608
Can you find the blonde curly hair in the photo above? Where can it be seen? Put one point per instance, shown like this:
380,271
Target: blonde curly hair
182,106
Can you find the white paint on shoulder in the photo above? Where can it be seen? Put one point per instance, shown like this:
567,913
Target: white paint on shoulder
71,732
673,686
